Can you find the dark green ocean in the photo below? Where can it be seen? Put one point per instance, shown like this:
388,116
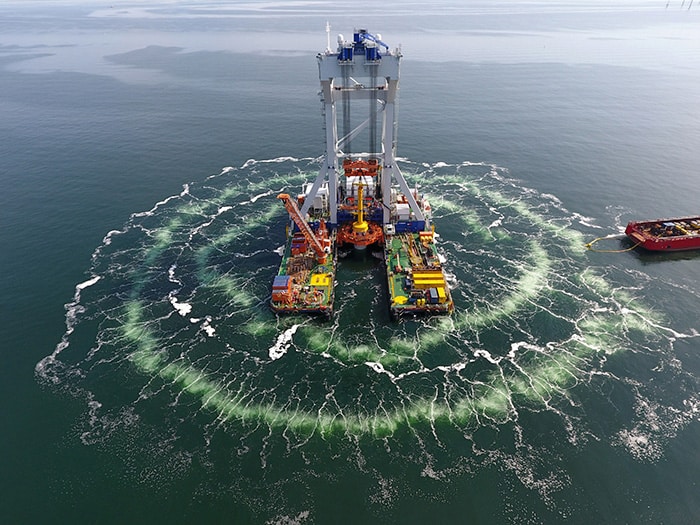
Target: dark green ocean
145,379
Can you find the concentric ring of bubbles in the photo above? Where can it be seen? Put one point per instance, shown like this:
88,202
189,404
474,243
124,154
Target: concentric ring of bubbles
176,316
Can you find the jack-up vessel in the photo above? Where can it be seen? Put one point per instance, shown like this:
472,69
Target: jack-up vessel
360,198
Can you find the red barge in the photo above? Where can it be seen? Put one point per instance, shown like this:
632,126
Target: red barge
666,235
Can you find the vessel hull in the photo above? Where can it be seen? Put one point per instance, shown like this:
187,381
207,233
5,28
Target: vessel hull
666,235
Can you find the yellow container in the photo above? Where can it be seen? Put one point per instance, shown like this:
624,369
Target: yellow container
428,283
321,279
422,280
427,274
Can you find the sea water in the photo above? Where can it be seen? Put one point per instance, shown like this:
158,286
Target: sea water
145,376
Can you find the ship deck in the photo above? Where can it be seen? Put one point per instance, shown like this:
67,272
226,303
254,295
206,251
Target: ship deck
302,285
415,278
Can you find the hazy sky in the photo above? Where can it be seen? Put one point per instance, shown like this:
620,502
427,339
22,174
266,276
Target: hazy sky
80,33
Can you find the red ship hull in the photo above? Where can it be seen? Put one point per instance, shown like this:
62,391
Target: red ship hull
666,235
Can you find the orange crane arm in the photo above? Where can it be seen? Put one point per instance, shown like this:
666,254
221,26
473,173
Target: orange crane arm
304,227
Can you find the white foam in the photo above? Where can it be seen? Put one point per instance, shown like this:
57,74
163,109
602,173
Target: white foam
259,196
641,445
185,191
87,283
73,309
208,328
514,347
456,367
107,239
277,160
225,170
459,366
171,275
195,231
487,355
379,368
585,221
283,343
182,308
206,325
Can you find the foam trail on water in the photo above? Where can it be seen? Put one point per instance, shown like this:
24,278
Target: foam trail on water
185,191
73,311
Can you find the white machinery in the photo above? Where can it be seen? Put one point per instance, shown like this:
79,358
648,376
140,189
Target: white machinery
361,78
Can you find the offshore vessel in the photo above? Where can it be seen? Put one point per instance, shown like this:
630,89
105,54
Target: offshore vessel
668,235
360,198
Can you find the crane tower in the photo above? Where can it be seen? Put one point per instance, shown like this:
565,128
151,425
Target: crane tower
359,91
